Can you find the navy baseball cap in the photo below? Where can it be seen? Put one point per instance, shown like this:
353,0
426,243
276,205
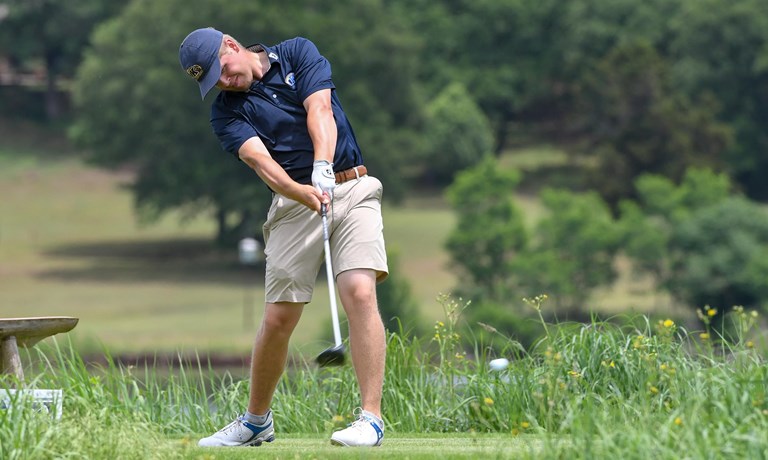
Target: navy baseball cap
199,57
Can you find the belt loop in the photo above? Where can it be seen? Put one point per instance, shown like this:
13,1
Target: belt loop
357,176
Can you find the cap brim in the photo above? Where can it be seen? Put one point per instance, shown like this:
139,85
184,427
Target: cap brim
210,78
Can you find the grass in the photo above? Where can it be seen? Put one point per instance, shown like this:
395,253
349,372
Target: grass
398,446
584,391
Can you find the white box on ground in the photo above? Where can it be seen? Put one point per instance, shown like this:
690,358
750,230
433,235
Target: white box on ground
44,400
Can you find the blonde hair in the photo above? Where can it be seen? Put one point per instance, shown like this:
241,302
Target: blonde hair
223,48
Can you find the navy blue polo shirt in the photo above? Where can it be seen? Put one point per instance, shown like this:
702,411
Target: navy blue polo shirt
273,110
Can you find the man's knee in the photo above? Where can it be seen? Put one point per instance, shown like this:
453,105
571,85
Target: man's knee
358,286
281,318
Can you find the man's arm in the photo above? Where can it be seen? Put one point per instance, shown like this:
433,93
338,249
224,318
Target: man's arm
255,154
322,129
321,124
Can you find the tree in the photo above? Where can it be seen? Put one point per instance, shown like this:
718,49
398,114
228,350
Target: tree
458,135
54,32
568,254
507,53
703,244
490,231
721,48
572,252
635,124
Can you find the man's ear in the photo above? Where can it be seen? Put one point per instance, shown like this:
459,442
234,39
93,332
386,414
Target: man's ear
231,44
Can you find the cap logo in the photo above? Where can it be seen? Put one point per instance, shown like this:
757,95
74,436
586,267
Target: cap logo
195,71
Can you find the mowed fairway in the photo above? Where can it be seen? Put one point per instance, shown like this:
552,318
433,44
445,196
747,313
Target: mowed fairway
70,245
396,446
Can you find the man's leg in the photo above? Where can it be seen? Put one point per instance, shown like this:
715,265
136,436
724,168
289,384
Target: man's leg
270,351
357,289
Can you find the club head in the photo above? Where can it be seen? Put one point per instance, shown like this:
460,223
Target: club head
333,356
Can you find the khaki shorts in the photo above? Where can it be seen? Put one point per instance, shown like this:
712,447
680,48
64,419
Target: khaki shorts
293,237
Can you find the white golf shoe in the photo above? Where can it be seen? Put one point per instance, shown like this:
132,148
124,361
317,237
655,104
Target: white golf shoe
241,433
366,431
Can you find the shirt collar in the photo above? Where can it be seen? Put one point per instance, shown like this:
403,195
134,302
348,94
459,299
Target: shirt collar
271,53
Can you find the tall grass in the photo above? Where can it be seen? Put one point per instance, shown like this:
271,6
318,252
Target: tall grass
652,390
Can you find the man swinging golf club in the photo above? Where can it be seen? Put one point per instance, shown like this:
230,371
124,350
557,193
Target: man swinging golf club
278,112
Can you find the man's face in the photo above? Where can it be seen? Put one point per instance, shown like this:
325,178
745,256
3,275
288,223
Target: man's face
236,73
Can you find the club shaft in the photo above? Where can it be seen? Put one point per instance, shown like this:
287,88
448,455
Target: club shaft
329,274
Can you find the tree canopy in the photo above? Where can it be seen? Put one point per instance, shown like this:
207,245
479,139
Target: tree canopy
52,31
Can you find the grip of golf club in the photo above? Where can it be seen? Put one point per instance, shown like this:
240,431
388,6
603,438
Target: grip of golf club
329,274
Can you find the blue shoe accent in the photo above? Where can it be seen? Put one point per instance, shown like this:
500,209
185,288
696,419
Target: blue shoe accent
258,430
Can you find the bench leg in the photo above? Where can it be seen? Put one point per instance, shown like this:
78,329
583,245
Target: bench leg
9,358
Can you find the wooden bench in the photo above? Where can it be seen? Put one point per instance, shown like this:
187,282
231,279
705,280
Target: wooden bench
26,332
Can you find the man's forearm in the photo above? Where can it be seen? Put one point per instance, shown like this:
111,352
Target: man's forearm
273,175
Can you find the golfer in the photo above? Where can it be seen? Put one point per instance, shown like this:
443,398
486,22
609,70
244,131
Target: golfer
278,112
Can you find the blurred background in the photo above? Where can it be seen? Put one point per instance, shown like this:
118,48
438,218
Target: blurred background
610,154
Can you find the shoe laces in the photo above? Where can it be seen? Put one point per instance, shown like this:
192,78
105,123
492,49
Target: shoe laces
232,427
362,421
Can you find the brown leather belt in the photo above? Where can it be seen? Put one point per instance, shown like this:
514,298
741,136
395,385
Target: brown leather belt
352,173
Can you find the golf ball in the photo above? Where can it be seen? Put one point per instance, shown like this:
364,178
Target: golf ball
499,364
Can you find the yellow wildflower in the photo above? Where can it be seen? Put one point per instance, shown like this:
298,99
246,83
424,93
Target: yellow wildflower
653,389
525,424
669,323
711,312
488,401
750,344
704,336
678,421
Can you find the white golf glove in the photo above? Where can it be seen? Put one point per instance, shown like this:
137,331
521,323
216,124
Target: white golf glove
323,178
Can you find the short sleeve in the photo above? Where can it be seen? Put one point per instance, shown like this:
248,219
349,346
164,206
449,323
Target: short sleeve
231,130
312,70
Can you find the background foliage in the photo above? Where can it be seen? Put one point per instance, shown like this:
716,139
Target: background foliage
635,94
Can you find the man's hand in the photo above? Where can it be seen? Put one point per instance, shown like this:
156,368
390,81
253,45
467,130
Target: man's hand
323,178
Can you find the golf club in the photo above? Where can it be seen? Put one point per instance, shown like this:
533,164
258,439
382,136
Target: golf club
333,356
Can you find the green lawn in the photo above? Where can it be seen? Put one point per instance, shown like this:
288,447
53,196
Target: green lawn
396,446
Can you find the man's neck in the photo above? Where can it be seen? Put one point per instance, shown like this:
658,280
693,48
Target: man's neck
261,63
